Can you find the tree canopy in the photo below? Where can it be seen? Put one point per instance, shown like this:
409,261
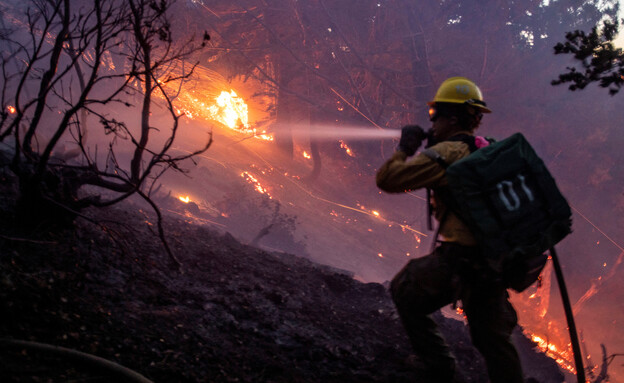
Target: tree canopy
599,60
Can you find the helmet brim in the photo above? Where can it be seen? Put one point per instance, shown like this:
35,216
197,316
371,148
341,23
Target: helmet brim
482,108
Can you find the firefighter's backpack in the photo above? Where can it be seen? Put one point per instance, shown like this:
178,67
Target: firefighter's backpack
511,203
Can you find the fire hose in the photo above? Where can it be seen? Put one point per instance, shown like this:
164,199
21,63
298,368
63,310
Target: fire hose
574,340
113,368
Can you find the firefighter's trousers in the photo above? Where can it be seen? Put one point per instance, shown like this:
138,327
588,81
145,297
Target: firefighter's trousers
429,283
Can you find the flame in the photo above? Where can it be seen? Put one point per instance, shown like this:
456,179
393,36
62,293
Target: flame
231,111
207,99
264,136
185,199
306,155
562,357
11,109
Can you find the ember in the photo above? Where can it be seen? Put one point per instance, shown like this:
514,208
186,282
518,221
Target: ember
348,150
254,181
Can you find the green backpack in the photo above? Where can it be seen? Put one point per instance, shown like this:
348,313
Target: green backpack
511,203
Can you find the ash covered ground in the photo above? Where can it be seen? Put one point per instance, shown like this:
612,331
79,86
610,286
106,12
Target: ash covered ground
236,314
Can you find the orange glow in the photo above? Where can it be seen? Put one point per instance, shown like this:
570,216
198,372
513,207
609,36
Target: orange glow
206,99
306,155
11,109
254,181
348,150
373,213
230,110
265,136
185,199
562,357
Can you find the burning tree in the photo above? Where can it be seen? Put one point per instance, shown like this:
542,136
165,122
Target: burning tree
70,71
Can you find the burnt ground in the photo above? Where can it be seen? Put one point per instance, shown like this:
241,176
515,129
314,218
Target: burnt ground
236,313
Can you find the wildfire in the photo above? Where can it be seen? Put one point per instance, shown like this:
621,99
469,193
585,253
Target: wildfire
185,199
562,357
208,100
265,136
11,109
254,181
306,155
231,111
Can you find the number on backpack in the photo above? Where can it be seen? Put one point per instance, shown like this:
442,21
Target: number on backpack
507,188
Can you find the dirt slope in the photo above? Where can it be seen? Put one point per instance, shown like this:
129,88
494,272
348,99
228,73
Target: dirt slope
235,314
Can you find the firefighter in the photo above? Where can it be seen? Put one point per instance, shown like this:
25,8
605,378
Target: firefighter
453,271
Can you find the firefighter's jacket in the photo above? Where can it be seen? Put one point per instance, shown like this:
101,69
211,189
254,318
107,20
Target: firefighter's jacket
399,175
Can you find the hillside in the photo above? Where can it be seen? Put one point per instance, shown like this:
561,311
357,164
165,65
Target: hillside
235,314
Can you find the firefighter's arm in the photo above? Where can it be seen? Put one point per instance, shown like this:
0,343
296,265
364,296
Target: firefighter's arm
399,175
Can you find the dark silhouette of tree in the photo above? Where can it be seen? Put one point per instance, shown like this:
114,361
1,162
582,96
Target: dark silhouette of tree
102,61
600,61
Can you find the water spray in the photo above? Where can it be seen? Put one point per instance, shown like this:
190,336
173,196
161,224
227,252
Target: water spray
336,132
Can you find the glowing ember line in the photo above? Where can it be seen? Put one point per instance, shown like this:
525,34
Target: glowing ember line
254,181
404,227
562,357
347,149
599,230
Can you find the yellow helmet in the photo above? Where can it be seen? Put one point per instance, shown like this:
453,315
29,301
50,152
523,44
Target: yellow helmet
460,90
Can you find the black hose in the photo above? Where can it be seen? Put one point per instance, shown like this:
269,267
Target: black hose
104,364
576,347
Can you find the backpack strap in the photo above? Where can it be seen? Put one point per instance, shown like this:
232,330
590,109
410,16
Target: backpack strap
466,139
435,156
440,160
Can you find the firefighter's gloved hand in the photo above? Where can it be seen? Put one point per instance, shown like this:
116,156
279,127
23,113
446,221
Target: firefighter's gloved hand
411,139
